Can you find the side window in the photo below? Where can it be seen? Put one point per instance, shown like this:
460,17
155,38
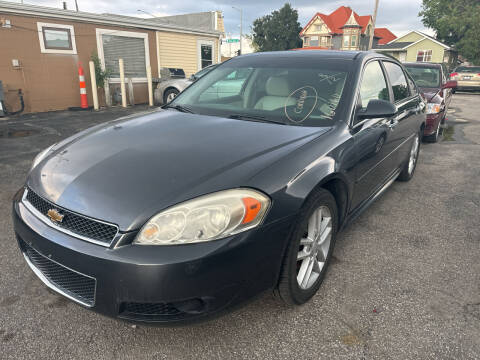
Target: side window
374,85
398,81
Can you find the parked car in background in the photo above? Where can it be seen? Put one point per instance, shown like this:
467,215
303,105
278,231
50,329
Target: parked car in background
432,82
175,82
467,77
182,213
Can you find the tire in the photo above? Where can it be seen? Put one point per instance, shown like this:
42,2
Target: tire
169,95
435,136
408,170
289,288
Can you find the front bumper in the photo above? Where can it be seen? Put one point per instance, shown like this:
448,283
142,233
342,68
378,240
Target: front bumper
162,284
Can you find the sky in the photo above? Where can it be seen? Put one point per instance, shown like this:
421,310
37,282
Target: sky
400,16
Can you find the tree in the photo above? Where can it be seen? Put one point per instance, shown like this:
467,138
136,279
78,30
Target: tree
277,31
457,23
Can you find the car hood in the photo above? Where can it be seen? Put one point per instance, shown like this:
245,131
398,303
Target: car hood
127,170
429,93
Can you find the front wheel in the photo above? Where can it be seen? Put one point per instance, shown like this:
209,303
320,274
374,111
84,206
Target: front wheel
435,136
309,250
170,95
411,164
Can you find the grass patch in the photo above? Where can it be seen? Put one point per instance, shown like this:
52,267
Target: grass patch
448,133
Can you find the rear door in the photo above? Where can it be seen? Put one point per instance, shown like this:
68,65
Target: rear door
374,138
409,108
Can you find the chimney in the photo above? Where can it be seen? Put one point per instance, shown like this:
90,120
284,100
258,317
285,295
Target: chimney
64,5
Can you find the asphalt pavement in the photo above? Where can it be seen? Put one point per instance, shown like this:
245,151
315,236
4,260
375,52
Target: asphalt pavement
404,282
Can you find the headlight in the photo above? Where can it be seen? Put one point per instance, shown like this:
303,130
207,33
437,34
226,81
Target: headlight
41,155
206,218
433,108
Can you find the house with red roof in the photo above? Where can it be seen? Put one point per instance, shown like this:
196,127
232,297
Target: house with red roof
343,29
384,36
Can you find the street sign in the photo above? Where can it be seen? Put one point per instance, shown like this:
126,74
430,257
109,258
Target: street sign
233,40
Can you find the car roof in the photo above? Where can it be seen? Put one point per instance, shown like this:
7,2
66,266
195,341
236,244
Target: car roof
467,66
316,54
423,64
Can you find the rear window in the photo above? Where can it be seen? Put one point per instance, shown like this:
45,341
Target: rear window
424,76
468,69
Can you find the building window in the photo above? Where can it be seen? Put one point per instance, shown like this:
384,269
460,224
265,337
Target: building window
306,41
205,53
346,40
314,41
56,38
354,41
132,47
424,55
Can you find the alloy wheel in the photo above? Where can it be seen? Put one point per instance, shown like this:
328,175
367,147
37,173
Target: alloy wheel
413,154
314,247
171,96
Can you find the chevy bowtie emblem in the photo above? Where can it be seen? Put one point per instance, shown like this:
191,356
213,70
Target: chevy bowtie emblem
55,216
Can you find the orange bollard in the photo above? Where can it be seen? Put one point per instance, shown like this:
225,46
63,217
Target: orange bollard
83,87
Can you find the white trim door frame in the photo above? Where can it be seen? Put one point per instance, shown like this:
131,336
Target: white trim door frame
201,42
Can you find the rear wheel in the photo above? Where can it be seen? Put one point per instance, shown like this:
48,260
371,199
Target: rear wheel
309,250
411,164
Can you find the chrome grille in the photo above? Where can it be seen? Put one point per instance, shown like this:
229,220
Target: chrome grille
76,286
85,227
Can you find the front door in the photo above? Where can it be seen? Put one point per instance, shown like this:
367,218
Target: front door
374,138
205,53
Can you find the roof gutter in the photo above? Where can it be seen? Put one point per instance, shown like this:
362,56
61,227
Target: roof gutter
41,11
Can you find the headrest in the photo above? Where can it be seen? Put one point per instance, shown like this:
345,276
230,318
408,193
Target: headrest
277,86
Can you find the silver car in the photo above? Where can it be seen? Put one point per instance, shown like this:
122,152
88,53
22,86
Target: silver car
167,90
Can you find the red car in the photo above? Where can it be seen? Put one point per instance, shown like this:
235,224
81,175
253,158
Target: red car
432,82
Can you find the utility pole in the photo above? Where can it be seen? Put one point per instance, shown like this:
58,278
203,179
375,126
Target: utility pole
241,26
370,43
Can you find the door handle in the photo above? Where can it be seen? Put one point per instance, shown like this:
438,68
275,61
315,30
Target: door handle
392,124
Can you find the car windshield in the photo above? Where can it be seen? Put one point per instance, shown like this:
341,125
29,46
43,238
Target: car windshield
468,69
204,71
302,93
425,76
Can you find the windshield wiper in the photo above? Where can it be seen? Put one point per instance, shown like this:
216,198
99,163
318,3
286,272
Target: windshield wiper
180,108
257,118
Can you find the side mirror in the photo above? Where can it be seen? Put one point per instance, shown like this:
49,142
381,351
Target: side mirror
378,109
451,84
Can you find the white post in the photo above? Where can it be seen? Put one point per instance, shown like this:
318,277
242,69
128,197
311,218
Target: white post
130,91
94,85
150,89
122,83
